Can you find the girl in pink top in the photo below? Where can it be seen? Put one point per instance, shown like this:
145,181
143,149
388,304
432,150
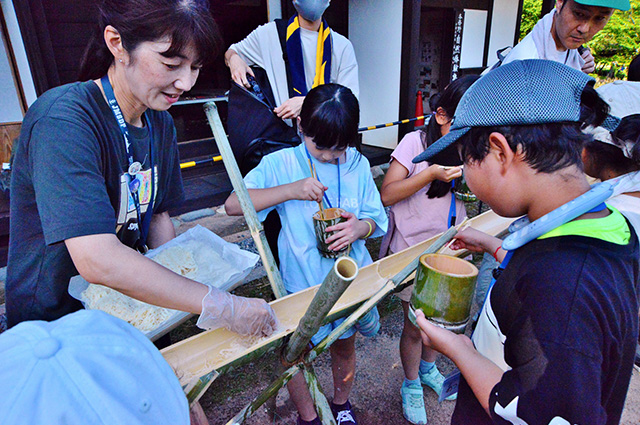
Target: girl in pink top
423,205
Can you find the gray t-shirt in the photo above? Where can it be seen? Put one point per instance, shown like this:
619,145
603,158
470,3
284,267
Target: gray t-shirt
68,180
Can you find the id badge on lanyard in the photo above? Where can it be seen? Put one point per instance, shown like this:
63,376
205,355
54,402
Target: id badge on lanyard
134,167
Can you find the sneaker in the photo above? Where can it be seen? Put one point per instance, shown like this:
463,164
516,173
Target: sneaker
343,414
413,404
316,421
434,380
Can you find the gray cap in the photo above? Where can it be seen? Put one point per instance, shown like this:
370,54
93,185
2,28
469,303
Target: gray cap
533,91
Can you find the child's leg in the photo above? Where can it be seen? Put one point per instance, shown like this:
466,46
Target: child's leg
343,366
299,394
411,348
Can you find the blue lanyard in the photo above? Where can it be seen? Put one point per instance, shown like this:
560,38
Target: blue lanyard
451,221
134,167
326,198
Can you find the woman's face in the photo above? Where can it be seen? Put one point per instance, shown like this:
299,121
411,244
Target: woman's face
157,81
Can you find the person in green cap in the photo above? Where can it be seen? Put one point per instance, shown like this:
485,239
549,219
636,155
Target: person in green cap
560,35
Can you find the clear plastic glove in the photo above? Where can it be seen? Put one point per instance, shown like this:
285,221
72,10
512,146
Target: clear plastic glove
246,316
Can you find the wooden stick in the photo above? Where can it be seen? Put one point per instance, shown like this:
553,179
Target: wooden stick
460,227
313,174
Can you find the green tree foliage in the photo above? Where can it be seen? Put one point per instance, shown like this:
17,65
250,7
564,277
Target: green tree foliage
613,47
530,15
619,41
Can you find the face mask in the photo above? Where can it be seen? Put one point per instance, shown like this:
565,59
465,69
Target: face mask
311,10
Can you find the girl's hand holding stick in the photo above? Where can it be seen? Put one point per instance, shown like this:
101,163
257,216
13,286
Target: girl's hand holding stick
313,174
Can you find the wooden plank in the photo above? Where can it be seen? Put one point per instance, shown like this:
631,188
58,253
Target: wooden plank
220,349
8,133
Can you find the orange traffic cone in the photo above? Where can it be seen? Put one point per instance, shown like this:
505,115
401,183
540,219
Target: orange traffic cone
419,110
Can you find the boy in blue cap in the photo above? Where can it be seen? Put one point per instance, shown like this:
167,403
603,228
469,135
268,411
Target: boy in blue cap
555,340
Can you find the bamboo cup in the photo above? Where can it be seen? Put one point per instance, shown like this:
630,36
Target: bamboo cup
321,220
443,290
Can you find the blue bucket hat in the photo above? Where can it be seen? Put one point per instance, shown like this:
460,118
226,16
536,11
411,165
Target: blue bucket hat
533,91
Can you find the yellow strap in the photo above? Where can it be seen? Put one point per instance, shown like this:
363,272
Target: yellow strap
318,79
293,27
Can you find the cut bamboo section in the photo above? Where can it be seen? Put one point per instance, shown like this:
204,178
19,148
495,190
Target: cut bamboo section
222,350
343,272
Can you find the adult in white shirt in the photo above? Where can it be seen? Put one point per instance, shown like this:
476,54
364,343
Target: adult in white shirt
262,48
560,33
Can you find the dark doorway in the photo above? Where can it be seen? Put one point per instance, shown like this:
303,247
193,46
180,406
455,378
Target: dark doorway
426,59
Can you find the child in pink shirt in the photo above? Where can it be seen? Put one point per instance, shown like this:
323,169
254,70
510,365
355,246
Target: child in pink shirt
423,205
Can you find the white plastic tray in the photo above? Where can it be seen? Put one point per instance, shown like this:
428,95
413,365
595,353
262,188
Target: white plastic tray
241,263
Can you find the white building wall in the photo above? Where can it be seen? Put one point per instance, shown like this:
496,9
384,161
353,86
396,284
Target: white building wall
473,37
375,29
503,27
274,9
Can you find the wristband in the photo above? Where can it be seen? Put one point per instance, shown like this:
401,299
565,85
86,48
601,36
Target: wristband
370,229
496,253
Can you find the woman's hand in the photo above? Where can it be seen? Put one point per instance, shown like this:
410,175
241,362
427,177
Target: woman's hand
442,173
308,189
475,241
347,232
246,316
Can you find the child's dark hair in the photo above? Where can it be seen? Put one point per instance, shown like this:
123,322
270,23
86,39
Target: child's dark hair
448,100
330,115
546,147
608,157
137,21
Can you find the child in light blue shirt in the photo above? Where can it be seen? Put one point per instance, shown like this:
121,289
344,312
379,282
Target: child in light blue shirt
328,124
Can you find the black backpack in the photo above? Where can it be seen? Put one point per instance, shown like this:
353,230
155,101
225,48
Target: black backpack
254,129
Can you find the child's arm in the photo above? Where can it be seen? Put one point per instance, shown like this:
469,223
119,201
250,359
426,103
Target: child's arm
481,374
349,231
396,186
308,189
477,241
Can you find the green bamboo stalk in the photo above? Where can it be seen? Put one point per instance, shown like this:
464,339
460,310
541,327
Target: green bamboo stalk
250,215
270,391
343,272
319,400
198,388
388,287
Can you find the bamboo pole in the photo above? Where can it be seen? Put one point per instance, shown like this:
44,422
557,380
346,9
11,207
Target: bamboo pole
250,215
198,387
319,400
343,272
270,391
392,284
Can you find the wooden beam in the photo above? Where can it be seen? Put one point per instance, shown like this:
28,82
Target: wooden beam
8,133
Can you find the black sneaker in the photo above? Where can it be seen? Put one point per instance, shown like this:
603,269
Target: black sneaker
343,414
316,421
